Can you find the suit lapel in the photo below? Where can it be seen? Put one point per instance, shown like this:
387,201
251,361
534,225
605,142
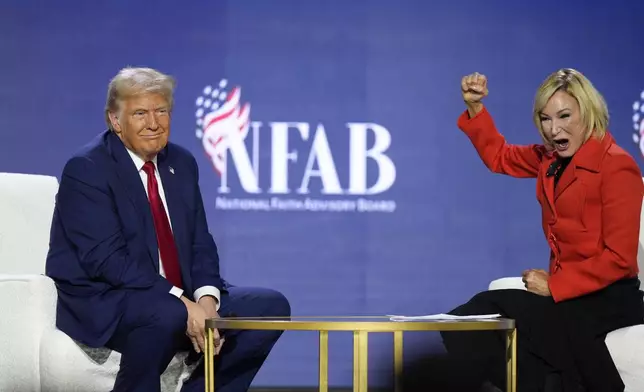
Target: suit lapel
567,178
127,172
549,189
131,179
588,158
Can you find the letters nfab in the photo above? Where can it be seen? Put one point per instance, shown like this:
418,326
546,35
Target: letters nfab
319,162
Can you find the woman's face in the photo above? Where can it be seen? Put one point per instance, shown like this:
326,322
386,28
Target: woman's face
562,125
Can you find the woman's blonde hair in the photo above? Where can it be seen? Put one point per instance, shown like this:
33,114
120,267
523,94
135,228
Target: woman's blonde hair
592,106
132,81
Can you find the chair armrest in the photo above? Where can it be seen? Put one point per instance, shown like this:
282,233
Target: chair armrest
35,353
507,283
65,367
28,304
36,294
625,346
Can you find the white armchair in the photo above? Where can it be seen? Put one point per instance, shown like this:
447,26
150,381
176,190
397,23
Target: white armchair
36,356
626,345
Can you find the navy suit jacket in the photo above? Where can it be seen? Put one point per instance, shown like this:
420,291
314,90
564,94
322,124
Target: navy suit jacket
103,242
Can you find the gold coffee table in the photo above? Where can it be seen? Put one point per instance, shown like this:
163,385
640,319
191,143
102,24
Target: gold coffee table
361,327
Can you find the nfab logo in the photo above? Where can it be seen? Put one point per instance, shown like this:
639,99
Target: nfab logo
223,125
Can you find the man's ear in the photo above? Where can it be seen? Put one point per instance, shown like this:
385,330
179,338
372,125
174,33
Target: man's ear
114,120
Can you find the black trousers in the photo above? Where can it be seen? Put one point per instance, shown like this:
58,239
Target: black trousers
556,341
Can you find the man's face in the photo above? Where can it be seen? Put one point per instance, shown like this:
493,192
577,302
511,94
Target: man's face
143,124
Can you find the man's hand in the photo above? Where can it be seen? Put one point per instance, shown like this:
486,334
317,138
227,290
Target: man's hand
196,324
209,305
536,281
474,89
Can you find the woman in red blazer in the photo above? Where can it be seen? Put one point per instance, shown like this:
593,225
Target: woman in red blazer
590,191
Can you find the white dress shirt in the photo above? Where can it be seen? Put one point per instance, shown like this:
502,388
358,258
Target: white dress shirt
201,291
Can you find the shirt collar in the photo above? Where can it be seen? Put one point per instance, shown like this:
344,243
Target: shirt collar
138,162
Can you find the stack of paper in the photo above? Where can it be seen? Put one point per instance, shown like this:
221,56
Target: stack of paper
443,317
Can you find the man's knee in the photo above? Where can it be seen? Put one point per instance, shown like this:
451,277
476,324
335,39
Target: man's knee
275,304
255,302
167,316
154,323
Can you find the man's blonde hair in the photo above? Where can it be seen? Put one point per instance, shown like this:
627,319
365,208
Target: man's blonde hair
132,81
592,106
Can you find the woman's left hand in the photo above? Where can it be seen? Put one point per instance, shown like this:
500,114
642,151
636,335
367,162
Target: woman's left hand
536,281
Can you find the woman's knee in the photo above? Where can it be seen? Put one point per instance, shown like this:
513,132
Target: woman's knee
478,304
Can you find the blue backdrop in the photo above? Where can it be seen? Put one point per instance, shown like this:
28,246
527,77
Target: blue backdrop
325,132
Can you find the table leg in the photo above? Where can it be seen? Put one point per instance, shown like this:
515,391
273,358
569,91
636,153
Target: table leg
209,359
511,360
398,359
323,361
360,365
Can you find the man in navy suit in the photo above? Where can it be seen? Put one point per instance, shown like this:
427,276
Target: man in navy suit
136,268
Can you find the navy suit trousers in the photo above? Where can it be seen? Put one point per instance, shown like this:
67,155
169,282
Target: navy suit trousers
152,330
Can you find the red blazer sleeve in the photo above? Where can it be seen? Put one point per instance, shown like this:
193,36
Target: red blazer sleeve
621,194
496,153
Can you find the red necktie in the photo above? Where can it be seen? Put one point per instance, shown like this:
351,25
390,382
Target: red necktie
165,239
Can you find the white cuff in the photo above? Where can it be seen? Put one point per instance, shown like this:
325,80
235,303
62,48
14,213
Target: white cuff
177,292
208,290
